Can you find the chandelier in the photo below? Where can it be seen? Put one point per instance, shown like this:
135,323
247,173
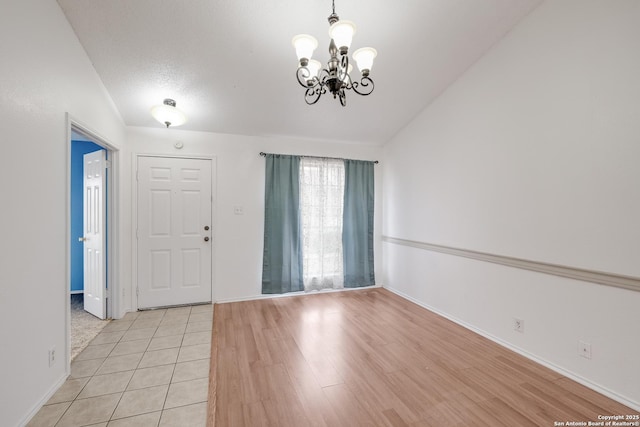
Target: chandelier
336,78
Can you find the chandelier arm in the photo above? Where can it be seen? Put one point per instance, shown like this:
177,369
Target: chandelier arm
343,73
347,83
323,75
302,74
343,97
366,86
312,94
317,88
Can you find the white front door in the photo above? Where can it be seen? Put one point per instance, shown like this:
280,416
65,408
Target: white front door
174,231
94,233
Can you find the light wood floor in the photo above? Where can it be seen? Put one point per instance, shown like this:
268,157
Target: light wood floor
369,357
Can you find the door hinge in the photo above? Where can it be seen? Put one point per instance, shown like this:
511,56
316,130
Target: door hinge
137,291
107,164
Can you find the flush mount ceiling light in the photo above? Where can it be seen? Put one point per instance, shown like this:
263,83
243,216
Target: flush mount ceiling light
337,76
168,114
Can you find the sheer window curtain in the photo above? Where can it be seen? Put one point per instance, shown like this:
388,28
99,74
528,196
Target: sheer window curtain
321,212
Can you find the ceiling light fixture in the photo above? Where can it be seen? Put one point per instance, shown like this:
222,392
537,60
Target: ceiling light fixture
337,76
168,114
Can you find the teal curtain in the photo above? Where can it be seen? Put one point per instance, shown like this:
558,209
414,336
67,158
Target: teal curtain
282,257
357,224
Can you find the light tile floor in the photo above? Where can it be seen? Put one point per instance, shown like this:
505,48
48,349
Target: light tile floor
148,369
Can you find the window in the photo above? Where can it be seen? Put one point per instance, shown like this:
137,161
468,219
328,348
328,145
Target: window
318,231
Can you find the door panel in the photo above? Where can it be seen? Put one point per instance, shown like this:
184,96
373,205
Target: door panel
94,214
174,207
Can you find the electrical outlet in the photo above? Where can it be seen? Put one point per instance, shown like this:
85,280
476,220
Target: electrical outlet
52,356
584,349
518,325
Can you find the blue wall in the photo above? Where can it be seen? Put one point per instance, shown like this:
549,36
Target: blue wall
78,150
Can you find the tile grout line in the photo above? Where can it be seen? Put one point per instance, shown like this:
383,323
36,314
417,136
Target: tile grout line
134,371
105,360
164,402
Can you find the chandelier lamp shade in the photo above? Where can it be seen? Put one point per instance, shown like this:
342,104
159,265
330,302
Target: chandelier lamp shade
168,114
336,77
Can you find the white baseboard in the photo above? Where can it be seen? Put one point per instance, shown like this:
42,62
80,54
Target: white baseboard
577,378
34,410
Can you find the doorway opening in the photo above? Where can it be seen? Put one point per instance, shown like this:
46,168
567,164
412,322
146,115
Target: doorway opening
90,236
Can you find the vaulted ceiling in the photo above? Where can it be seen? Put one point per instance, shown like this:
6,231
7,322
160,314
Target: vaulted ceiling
230,65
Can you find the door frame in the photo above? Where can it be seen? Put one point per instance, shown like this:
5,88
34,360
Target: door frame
134,217
112,197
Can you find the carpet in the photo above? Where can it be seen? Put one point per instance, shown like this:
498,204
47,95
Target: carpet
84,326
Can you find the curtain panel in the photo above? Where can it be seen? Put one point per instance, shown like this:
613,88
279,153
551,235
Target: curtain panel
282,257
357,224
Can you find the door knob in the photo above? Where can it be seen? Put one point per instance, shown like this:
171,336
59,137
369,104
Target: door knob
206,239
82,239
206,228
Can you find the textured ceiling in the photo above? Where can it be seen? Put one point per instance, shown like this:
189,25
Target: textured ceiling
230,66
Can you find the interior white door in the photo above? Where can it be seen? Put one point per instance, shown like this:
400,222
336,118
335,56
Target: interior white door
174,231
94,233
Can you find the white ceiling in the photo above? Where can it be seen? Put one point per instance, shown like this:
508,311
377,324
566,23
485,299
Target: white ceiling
230,66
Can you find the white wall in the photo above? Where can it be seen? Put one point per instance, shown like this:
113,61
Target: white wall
533,154
238,239
44,74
